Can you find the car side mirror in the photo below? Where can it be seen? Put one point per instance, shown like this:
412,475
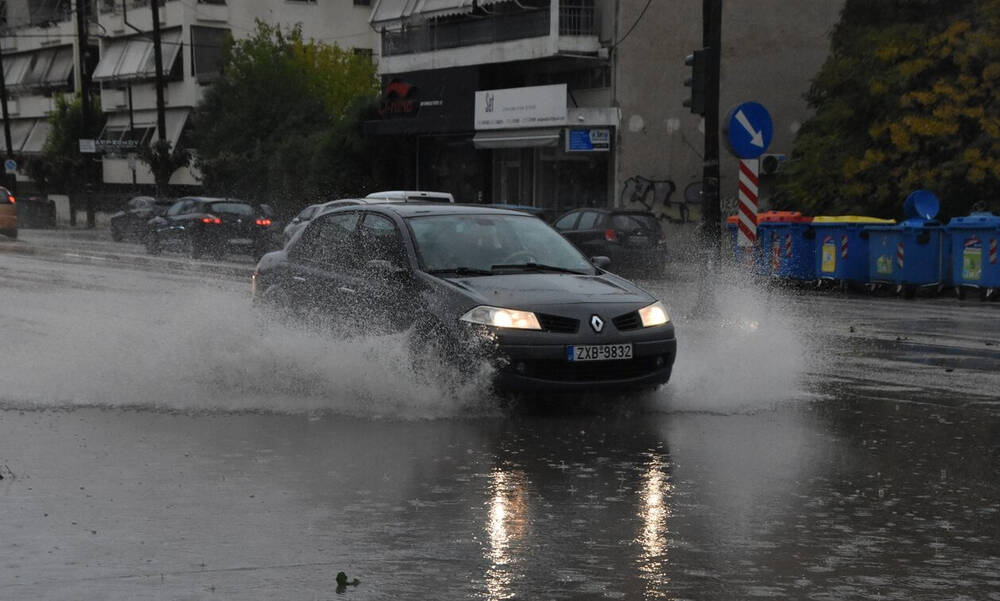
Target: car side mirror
601,262
296,220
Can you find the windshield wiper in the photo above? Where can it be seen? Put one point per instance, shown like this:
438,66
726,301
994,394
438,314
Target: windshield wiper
460,271
537,267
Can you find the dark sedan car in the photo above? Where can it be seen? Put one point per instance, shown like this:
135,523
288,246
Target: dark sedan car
132,223
466,278
632,239
200,225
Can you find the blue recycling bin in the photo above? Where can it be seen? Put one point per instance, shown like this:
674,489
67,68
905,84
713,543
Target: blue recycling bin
841,247
741,255
915,253
785,241
974,241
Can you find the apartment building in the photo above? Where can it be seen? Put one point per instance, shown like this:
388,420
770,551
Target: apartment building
192,34
565,103
40,56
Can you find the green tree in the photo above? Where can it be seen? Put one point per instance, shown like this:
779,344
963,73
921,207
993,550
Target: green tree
280,103
907,99
62,167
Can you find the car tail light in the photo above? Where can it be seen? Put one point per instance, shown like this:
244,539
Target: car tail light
211,219
10,198
264,222
611,235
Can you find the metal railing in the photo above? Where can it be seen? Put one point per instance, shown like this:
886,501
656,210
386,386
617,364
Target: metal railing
440,36
577,18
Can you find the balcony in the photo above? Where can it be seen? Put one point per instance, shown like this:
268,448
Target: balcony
507,33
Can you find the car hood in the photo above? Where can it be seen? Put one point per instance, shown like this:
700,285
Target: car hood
539,290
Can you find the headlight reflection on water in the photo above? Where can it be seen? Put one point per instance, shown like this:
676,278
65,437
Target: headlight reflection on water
508,518
654,511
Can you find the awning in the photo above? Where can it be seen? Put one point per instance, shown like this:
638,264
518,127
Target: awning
389,12
443,8
62,67
14,68
36,139
175,119
516,138
39,66
133,58
19,131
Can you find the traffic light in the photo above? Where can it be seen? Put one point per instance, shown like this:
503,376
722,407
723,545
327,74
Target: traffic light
698,61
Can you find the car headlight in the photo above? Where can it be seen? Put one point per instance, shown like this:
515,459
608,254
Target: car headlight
653,315
502,318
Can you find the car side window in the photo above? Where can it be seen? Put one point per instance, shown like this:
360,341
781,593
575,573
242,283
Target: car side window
178,207
329,239
379,240
588,220
567,221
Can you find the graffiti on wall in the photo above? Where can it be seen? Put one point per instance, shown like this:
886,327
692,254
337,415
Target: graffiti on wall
656,196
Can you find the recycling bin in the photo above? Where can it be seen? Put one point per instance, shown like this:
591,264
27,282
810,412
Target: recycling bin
785,240
915,253
841,248
974,241
741,255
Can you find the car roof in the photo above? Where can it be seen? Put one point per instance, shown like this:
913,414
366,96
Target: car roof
212,199
424,209
413,195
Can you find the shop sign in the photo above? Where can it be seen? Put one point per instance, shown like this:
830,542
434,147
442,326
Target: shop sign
588,140
115,146
398,98
535,106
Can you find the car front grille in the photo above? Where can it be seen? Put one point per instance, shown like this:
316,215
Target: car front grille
590,371
557,324
629,321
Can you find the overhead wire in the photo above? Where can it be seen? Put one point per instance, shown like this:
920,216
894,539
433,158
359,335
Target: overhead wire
634,25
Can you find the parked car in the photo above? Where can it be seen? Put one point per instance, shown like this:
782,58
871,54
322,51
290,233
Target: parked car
132,223
200,225
471,279
633,240
308,213
413,195
8,213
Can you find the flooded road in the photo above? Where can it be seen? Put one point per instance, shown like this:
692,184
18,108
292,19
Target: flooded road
158,441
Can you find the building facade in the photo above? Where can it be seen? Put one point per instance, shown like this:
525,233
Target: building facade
473,90
192,37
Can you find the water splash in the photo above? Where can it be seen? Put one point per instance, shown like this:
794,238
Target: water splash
746,349
213,351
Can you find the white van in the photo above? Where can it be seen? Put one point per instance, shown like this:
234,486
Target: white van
412,195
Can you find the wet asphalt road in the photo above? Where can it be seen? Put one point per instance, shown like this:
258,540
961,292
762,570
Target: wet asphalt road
158,441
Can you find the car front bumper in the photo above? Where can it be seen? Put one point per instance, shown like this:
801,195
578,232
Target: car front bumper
545,368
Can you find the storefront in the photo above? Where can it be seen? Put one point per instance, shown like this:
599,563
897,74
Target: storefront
509,146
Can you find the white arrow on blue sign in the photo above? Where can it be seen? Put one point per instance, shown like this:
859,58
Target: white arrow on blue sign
748,129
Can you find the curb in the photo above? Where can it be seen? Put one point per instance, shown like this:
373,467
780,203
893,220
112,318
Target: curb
98,257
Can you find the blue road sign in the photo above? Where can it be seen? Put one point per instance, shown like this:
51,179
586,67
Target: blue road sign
748,130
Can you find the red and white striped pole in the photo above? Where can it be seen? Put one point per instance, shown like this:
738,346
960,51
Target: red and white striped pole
747,209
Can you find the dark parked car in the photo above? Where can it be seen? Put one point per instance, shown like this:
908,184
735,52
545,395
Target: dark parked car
132,223
632,239
469,279
215,226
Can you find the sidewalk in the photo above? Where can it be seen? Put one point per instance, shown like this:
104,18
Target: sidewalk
85,244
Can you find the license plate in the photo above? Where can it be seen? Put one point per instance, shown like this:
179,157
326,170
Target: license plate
599,352
240,241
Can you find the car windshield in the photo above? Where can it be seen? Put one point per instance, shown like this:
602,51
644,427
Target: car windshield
232,208
635,221
484,243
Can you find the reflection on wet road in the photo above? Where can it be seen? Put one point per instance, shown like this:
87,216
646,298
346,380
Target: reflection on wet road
809,448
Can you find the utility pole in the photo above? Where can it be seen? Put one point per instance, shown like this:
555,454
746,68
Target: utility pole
82,44
161,118
11,181
711,211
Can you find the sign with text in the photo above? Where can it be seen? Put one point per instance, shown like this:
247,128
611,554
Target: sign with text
588,140
535,106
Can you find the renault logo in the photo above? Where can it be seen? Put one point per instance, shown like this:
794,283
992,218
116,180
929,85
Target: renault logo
597,323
